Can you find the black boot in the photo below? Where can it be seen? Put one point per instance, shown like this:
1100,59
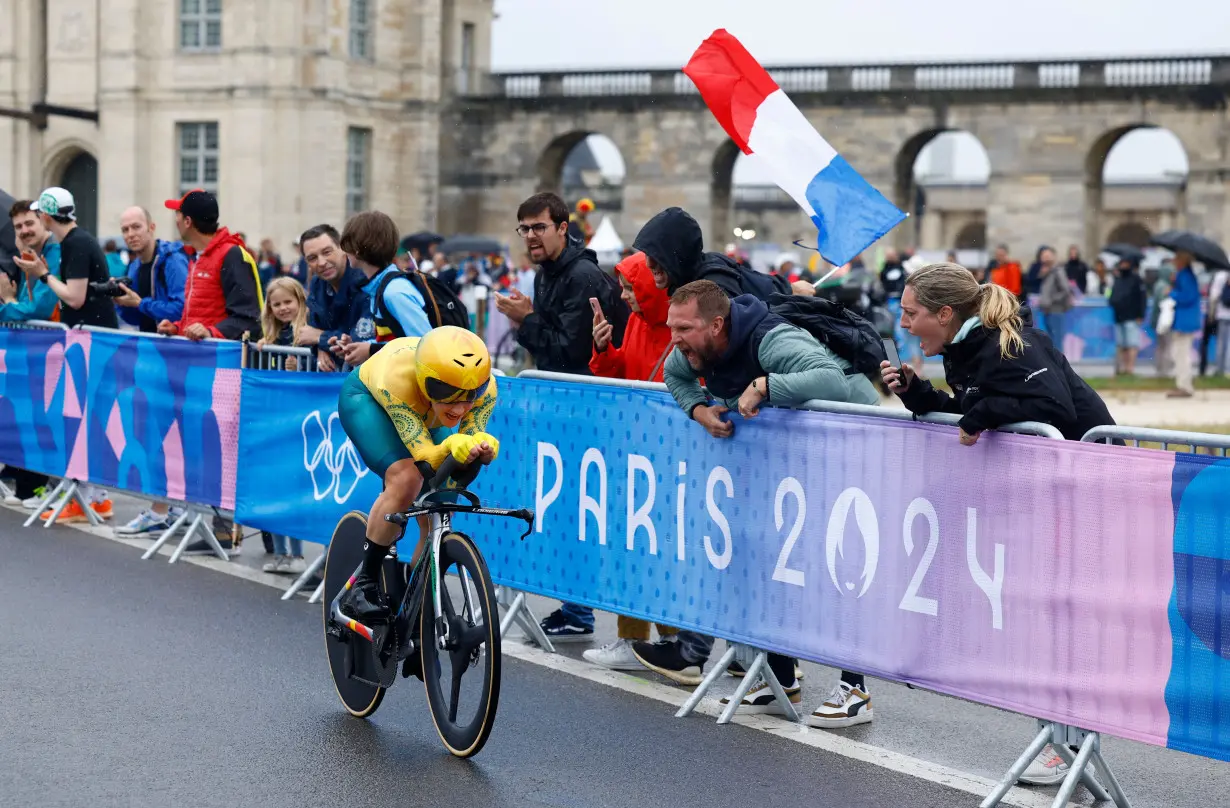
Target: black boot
365,601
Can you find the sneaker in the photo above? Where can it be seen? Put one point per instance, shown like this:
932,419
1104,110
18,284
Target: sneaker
11,499
72,513
737,670
616,656
103,509
277,565
666,658
145,522
295,565
559,628
33,502
760,699
1048,769
846,706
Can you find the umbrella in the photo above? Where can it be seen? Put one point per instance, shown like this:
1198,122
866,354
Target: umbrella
1200,248
1127,252
423,241
471,244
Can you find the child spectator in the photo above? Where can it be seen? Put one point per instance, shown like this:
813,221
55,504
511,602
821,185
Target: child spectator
285,313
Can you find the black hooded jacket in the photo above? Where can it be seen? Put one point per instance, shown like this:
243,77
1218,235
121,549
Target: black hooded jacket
559,332
990,391
673,240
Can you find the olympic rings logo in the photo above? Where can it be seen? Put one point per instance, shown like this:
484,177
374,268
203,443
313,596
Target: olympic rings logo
319,454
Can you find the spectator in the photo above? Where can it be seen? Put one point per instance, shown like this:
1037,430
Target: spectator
82,264
1078,270
116,267
671,241
1163,353
749,356
21,297
445,271
337,304
370,243
222,299
1129,301
268,262
1001,371
641,357
525,276
1055,296
1097,282
1186,296
554,325
83,268
1005,272
157,274
1033,277
892,275
1219,313
475,286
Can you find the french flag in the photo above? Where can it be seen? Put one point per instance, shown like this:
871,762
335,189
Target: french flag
850,214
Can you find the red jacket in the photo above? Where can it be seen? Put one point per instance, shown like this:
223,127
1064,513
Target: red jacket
223,292
646,337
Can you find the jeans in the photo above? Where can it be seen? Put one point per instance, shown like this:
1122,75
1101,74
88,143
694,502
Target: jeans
695,649
578,614
284,545
1057,326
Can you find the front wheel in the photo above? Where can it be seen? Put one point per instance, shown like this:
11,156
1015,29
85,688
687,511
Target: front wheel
467,601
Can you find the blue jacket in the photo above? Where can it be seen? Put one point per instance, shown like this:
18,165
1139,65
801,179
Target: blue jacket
1186,296
170,278
37,301
346,311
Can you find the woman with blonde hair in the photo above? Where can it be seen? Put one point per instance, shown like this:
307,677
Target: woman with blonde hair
1001,369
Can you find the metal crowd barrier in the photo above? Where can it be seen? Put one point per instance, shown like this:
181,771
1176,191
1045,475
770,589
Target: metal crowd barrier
755,660
1133,436
278,357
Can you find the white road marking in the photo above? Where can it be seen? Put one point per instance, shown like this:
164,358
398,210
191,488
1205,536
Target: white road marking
831,742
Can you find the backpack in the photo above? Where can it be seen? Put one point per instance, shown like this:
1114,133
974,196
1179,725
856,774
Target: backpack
845,333
441,303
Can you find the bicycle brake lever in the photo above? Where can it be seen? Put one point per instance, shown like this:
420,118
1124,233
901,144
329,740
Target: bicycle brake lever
528,516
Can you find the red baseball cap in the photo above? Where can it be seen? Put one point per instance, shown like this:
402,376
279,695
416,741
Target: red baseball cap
198,205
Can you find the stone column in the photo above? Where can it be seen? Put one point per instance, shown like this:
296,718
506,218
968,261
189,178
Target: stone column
1026,211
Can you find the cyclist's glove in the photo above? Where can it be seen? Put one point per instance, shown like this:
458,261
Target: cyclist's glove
490,441
460,446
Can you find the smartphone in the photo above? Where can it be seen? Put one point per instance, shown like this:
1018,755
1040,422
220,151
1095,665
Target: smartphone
27,256
890,348
597,307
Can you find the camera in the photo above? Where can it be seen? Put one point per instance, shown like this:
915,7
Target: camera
116,287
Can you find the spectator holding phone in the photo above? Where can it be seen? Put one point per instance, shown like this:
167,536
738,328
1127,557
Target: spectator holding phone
1001,369
22,298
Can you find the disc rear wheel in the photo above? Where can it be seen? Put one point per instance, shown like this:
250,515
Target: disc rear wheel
355,675
463,679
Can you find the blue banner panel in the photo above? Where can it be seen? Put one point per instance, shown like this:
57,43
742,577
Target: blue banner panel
300,473
36,434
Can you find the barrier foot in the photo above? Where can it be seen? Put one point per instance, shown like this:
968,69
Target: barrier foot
707,682
70,492
302,580
1076,772
47,500
207,533
5,491
318,594
94,519
1018,768
1108,777
517,610
167,534
1086,776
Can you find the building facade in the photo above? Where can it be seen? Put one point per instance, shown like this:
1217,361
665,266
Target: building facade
294,112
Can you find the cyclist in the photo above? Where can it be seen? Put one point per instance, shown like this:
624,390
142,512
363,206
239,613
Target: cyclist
400,409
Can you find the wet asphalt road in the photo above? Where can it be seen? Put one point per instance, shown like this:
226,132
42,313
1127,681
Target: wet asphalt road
131,683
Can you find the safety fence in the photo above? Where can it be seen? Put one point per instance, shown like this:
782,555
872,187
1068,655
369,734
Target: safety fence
1072,582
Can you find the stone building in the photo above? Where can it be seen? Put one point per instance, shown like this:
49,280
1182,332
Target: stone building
293,111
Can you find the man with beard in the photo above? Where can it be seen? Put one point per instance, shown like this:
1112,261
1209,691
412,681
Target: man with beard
749,357
555,326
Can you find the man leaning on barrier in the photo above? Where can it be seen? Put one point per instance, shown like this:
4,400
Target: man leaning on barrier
749,357
23,298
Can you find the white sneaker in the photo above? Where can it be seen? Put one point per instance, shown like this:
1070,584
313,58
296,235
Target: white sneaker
845,707
295,565
11,499
277,565
760,699
1048,769
144,522
33,502
615,655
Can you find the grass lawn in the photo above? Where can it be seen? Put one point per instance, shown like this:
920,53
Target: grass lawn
1152,383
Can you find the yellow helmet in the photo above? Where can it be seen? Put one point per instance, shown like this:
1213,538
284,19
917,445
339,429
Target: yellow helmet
452,364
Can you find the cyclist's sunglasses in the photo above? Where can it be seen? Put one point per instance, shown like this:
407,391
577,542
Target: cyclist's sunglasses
445,393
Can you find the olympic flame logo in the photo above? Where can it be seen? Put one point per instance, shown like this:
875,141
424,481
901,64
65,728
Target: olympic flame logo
326,465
